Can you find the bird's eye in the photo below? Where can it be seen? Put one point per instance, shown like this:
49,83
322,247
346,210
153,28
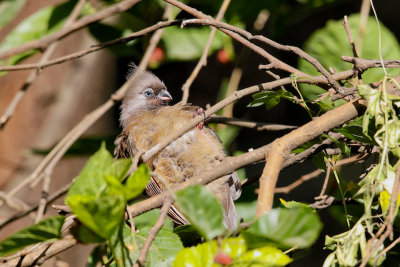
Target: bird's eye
148,92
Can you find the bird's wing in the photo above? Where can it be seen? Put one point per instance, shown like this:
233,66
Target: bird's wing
124,147
152,189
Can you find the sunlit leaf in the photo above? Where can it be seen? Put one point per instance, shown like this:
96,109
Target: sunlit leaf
270,98
8,10
41,23
191,42
126,246
101,215
265,256
202,209
90,181
203,255
327,43
284,228
47,229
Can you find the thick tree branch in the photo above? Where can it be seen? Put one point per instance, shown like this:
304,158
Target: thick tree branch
281,148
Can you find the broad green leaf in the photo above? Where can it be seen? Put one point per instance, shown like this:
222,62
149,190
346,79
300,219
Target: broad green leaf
354,130
90,181
228,134
119,169
149,219
8,10
47,229
191,42
341,145
319,160
105,32
137,182
284,228
41,23
265,256
101,215
329,43
94,257
246,210
270,98
202,209
203,255
189,235
126,246
84,235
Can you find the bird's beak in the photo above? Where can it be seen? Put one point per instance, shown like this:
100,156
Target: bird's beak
164,96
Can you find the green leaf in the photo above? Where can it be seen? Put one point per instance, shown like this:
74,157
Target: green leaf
126,246
189,235
354,130
266,256
270,98
101,215
341,145
149,219
191,42
327,43
84,235
90,181
119,169
246,210
104,32
319,160
228,134
293,204
94,257
47,229
8,10
284,228
202,209
137,182
203,255
47,20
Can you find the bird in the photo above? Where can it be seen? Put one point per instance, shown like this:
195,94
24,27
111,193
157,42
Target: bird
147,119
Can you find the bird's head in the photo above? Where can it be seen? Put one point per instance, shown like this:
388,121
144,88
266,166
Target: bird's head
146,92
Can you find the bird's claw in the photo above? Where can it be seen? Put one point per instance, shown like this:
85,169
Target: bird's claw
200,111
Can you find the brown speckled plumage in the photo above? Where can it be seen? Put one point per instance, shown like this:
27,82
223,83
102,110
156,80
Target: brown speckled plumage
194,153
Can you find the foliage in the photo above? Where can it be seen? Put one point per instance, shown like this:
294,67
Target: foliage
45,230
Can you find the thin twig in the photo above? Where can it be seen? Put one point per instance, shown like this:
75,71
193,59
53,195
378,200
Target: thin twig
203,59
362,26
274,44
153,232
81,23
258,126
37,257
59,150
347,28
47,54
94,48
51,198
298,182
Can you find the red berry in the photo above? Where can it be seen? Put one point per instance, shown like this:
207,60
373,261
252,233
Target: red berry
157,56
223,259
223,57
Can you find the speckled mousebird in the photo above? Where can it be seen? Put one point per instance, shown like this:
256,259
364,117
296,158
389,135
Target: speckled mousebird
147,120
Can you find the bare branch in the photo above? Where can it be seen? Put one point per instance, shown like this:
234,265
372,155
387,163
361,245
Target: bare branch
83,22
203,59
153,232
